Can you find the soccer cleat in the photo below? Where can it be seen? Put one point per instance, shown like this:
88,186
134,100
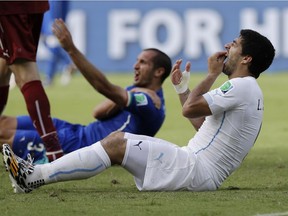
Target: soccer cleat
19,170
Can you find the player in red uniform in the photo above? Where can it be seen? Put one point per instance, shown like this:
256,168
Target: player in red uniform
20,25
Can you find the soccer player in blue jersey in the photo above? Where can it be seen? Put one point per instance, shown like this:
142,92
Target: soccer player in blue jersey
139,109
58,9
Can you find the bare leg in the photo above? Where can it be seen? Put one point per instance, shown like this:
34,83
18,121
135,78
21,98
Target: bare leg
38,106
5,74
8,127
115,146
83,163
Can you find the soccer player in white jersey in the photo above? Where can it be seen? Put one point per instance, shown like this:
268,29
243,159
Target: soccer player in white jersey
227,119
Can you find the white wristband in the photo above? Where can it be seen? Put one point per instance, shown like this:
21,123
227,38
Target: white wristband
183,85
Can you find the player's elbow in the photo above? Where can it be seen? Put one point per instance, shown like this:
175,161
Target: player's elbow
188,111
196,109
193,111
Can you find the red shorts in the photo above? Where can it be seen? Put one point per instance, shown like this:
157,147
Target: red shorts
19,36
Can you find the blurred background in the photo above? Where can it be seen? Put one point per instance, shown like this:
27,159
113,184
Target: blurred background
112,33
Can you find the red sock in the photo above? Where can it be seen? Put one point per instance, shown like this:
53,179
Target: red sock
38,107
4,91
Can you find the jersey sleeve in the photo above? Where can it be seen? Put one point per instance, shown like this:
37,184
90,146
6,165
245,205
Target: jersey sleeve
226,97
140,103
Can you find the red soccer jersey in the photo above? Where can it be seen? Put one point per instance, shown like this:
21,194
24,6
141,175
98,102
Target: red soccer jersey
23,7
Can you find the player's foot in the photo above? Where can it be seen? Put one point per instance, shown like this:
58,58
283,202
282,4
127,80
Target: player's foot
53,148
19,170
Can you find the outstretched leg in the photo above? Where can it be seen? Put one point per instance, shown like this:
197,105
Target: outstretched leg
38,106
81,164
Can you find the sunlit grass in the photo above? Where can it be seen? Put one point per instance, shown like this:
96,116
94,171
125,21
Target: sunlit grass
259,187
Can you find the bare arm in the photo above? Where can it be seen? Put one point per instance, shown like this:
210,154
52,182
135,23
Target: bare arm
108,108
176,77
196,106
90,72
195,121
105,110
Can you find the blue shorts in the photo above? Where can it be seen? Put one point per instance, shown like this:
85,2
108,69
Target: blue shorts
27,139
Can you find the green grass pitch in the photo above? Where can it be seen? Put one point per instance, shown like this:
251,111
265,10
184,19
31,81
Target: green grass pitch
259,187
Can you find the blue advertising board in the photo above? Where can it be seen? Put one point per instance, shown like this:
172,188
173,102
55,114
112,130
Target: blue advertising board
112,33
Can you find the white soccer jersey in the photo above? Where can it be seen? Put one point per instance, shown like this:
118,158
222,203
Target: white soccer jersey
226,137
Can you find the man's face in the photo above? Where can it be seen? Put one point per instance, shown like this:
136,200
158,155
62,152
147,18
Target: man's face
144,69
234,50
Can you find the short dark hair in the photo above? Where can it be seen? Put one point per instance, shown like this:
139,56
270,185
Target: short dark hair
161,59
259,48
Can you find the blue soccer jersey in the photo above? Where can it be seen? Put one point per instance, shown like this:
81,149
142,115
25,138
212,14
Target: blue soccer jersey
139,117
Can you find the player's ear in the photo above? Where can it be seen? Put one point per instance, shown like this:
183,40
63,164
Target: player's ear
247,59
159,72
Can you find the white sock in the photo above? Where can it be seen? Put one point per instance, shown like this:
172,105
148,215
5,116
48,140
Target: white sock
80,164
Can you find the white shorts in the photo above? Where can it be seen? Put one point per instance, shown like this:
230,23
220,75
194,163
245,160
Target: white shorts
168,167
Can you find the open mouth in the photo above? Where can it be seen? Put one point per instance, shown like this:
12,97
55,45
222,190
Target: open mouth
136,76
225,58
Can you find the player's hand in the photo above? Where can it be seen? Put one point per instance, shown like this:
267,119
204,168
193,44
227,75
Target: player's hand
180,80
152,94
216,62
63,35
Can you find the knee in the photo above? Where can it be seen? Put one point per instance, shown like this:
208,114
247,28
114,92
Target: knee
115,141
115,146
117,135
